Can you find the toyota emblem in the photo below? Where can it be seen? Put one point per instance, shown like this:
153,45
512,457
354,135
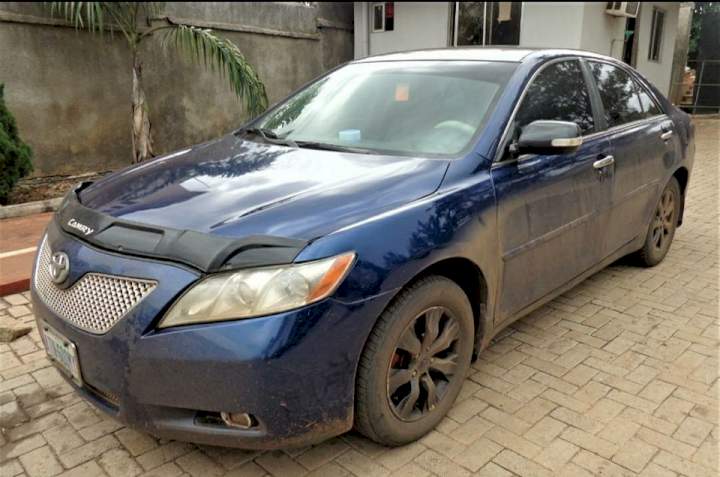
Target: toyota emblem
59,267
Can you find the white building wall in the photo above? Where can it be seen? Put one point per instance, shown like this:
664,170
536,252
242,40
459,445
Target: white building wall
417,25
551,24
580,25
602,33
658,72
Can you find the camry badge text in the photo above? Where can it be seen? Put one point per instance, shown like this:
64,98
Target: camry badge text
81,227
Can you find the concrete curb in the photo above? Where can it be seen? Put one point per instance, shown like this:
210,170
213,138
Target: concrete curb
30,208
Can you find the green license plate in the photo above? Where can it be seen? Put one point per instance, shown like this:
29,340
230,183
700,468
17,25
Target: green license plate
62,352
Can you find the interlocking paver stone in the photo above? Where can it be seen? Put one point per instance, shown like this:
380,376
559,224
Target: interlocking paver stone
41,463
635,455
119,463
618,376
11,414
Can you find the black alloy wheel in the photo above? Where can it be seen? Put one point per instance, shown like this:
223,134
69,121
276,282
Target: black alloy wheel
423,364
662,227
415,362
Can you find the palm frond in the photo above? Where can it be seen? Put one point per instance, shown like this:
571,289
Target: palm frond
152,9
215,53
83,15
92,16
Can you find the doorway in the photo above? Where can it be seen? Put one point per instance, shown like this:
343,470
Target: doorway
629,42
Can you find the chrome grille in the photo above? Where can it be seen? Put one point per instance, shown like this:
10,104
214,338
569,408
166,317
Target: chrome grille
95,302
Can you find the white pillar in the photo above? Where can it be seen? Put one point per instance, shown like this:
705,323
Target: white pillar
361,33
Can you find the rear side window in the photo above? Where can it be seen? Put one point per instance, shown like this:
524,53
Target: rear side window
558,93
650,107
619,94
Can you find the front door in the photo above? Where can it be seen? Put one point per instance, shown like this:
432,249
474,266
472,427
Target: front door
552,208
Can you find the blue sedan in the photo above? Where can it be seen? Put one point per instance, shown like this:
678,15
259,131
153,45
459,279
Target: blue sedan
339,261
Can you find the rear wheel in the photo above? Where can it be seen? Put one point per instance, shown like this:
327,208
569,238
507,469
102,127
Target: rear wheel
662,227
415,362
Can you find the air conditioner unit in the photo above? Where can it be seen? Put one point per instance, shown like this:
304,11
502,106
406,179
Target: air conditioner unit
623,9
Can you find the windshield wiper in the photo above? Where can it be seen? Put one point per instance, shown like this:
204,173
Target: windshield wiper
270,136
331,147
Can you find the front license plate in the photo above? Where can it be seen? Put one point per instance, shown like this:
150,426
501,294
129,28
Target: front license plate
62,352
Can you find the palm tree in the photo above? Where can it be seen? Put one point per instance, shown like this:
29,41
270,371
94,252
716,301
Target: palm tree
200,44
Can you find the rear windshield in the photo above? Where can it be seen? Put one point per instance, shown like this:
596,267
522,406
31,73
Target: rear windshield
401,107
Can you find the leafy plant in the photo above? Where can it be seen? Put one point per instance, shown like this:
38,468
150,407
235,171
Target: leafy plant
701,9
199,44
14,153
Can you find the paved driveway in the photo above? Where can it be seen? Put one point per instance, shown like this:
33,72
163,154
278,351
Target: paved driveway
619,376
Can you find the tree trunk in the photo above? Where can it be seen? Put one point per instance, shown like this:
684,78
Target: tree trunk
141,135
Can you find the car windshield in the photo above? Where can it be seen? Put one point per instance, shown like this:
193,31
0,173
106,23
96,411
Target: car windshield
400,107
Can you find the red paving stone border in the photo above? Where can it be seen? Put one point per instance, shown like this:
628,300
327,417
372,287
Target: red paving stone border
17,237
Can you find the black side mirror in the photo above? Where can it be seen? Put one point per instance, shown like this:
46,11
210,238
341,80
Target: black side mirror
549,137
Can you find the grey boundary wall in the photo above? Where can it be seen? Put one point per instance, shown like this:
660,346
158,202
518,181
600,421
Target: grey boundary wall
70,90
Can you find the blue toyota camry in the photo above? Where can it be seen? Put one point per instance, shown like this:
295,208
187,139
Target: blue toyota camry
339,261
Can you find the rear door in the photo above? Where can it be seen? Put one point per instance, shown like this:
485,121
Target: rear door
641,136
551,207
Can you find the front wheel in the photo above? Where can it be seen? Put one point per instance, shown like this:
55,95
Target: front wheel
662,227
414,363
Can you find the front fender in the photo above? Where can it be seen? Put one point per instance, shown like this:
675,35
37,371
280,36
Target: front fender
394,247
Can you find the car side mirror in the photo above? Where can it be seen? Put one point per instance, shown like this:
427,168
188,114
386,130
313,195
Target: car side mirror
549,137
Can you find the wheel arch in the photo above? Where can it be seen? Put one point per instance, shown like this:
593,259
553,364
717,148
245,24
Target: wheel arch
471,279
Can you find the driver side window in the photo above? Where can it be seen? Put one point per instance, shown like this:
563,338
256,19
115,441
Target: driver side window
558,93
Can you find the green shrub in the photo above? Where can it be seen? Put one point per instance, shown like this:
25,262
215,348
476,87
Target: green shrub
14,154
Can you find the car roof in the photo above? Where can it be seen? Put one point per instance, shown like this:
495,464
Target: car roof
479,53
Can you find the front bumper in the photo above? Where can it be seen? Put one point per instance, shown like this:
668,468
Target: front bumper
294,371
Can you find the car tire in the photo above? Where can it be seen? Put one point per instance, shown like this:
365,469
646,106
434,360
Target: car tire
401,362
661,230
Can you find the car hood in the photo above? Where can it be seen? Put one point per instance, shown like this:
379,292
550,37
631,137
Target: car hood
234,187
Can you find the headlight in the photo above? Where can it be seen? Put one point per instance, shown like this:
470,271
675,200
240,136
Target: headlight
257,292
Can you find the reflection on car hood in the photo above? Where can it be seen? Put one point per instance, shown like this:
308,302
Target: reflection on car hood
236,187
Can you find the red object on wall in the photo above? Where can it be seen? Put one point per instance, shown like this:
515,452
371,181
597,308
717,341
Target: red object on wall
389,16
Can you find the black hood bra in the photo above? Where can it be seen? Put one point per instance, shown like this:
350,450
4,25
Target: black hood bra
205,252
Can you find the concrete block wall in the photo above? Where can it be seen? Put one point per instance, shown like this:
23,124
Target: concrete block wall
70,90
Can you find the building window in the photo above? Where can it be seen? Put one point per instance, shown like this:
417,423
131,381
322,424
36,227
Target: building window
487,23
378,17
656,34
383,16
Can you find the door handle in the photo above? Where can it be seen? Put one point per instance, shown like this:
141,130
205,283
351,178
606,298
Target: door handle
666,135
604,162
